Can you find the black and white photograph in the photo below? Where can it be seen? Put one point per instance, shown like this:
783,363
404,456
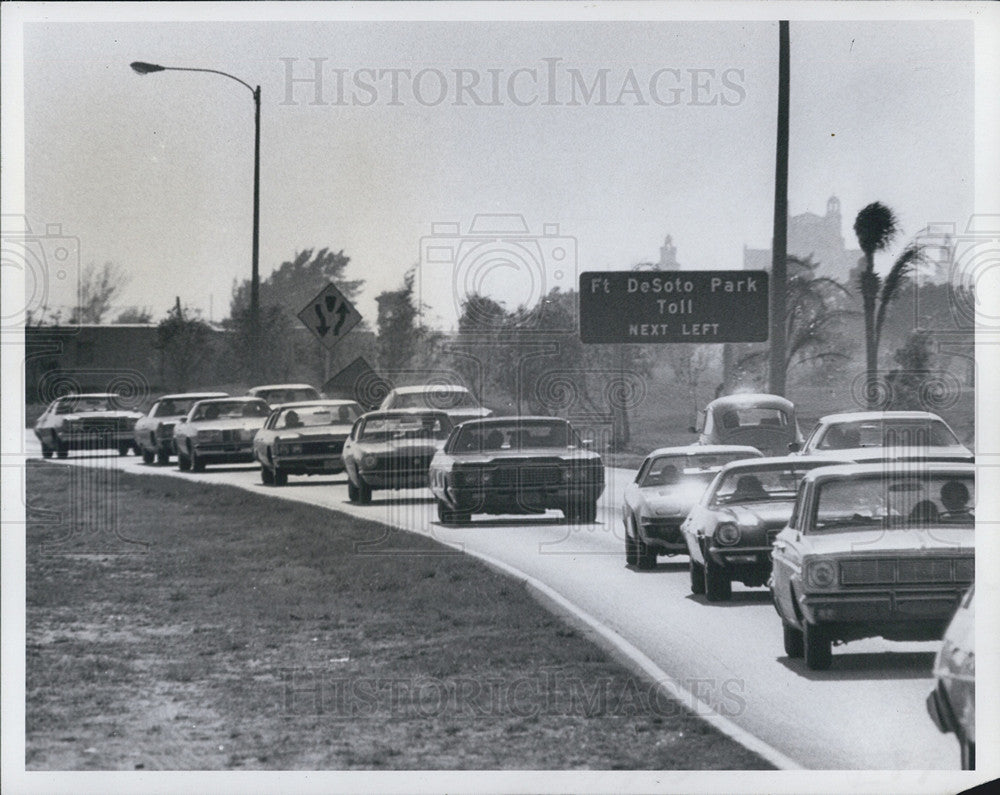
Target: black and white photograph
500,397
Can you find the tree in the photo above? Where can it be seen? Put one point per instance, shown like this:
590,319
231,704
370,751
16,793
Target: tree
185,346
906,382
876,227
297,281
403,342
134,314
98,289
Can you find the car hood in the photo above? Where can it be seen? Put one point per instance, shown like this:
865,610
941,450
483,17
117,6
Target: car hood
92,415
408,446
896,541
864,455
530,455
315,432
770,514
238,423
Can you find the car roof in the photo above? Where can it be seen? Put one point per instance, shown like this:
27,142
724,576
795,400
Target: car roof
264,387
303,404
114,395
755,398
905,468
854,416
790,460
189,395
705,449
388,413
416,389
232,399
487,421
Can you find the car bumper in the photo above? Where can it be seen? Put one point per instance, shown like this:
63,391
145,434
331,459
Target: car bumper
664,532
524,499
309,464
904,612
742,557
395,479
81,439
226,452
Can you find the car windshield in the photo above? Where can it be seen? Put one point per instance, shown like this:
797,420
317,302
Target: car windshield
887,433
476,437
765,483
665,470
276,396
313,416
230,409
78,405
174,407
413,426
438,399
884,500
753,417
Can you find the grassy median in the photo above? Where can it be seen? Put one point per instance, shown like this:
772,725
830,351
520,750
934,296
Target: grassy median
173,625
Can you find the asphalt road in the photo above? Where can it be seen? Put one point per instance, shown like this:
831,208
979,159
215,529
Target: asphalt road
866,713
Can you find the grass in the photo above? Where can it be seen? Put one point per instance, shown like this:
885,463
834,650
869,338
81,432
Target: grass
212,629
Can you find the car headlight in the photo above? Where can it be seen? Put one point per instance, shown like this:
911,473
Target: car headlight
727,534
369,461
821,574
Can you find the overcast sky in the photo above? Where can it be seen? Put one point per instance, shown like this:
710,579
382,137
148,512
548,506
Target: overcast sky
154,173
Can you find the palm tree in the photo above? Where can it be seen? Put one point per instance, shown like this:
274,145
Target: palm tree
876,227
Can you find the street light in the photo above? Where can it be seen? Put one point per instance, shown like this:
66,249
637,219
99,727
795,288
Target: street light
142,68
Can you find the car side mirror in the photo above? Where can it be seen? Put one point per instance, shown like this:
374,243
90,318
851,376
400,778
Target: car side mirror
587,443
794,447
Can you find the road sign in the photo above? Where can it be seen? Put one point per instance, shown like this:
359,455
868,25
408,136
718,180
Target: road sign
330,316
673,306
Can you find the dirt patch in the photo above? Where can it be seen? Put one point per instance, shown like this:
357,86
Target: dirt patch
201,627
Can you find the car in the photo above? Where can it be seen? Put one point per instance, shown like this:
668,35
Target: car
873,550
667,485
392,450
90,421
516,465
304,439
860,435
767,422
219,431
276,394
154,431
455,401
952,702
728,534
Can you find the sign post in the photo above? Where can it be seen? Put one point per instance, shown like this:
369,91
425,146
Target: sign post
330,316
673,306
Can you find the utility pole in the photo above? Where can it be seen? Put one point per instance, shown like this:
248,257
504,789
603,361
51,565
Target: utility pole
779,246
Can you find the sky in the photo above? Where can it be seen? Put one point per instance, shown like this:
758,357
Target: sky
154,173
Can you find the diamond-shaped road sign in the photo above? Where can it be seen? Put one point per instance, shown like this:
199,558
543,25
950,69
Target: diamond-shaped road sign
330,316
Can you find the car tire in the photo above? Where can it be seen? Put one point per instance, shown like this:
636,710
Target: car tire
183,462
266,476
968,751
794,642
148,456
47,451
197,464
718,586
62,450
123,448
280,477
447,516
587,512
697,572
162,457
645,557
631,548
816,647
353,493
364,493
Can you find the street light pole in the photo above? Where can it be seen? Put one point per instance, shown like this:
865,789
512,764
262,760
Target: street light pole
143,68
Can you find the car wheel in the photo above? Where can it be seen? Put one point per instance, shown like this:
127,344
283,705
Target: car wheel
183,462
62,450
587,512
817,647
123,448
697,572
197,464
47,451
364,493
353,493
794,642
968,753
163,457
631,549
645,557
718,587
266,476
148,456
280,477
447,516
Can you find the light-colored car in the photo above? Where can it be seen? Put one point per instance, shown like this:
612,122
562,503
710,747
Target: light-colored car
277,394
873,550
864,435
455,401
219,431
730,531
516,465
668,484
392,450
767,422
304,439
154,431
952,702
96,420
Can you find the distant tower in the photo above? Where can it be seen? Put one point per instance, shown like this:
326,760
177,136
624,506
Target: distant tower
668,256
